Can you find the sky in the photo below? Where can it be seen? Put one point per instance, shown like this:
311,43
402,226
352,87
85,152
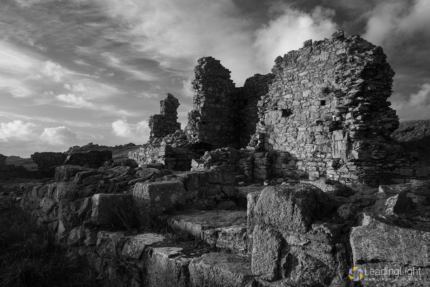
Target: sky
80,71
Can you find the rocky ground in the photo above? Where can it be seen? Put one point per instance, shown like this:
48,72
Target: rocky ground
149,226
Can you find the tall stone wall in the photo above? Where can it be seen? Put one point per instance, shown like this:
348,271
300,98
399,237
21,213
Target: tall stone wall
214,117
167,121
326,114
223,115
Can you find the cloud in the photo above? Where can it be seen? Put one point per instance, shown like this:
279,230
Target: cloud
58,136
17,130
74,101
131,72
395,22
289,30
122,128
416,107
187,88
54,71
142,128
77,88
163,30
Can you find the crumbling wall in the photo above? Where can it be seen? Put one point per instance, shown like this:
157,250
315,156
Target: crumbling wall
326,113
166,122
223,115
255,87
214,117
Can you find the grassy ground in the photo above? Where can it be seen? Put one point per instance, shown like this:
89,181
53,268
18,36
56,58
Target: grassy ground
29,256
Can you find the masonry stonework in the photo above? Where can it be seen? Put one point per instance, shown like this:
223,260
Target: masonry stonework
321,113
167,121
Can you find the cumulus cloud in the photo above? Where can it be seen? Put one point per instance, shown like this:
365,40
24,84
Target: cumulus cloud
74,101
397,21
164,30
17,130
416,107
54,71
122,128
58,136
187,88
289,30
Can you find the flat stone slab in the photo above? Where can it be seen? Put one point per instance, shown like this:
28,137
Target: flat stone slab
220,270
154,198
222,228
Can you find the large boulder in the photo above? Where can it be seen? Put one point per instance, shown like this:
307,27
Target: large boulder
292,207
293,238
154,198
378,246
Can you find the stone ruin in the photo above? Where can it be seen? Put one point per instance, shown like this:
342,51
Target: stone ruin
279,183
321,113
167,121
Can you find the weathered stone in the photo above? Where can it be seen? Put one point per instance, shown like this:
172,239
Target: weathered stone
266,253
153,198
110,244
135,245
167,267
220,270
393,247
66,172
76,236
399,203
292,207
225,229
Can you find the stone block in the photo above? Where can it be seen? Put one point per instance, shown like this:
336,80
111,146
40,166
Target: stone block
154,198
266,252
292,207
167,266
376,241
76,236
135,245
110,244
67,172
220,270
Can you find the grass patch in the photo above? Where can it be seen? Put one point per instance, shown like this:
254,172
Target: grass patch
30,257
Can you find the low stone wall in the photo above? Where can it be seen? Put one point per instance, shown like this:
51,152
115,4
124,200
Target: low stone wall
172,158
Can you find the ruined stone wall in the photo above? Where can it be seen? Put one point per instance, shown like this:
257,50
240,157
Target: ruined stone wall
223,115
255,87
326,113
214,117
166,122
